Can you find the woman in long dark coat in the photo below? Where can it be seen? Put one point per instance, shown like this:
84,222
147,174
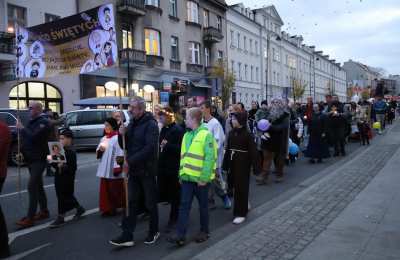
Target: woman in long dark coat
240,155
337,125
168,164
317,146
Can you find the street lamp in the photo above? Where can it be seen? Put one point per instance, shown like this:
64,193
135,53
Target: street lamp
111,85
135,88
148,89
114,86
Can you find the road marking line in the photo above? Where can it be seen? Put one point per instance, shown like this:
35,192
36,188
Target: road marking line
25,191
23,232
26,253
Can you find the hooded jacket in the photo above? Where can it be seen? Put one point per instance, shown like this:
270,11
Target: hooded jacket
142,146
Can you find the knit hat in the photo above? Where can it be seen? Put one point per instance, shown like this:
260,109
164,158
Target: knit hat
113,123
241,117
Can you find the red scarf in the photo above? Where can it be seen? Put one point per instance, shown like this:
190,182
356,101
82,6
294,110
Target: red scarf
109,135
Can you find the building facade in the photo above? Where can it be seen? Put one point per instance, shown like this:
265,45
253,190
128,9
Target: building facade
244,54
396,78
55,93
359,74
170,46
288,63
330,78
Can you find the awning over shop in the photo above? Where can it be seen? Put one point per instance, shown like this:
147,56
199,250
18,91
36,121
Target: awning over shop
200,85
102,101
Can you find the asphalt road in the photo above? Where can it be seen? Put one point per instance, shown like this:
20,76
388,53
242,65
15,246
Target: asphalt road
88,238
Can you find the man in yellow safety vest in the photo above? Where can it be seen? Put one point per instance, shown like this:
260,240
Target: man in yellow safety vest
197,169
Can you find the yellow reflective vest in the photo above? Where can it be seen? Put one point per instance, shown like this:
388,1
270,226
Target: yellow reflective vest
192,158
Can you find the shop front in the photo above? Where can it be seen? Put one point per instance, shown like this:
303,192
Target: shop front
94,86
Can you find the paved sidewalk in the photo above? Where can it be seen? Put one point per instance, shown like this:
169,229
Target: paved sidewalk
364,221
369,228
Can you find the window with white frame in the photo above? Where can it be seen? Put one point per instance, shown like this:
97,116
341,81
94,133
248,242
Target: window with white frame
238,40
256,47
174,48
127,40
173,8
220,55
219,23
257,78
251,73
245,43
245,72
153,2
275,54
192,12
194,49
240,70
152,42
251,45
232,38
206,57
233,66
16,15
206,18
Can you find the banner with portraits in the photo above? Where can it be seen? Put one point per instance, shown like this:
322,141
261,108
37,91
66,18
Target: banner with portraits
76,44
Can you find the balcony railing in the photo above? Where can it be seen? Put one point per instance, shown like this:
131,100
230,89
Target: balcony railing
212,35
7,43
133,56
154,60
175,65
7,72
194,68
132,7
209,70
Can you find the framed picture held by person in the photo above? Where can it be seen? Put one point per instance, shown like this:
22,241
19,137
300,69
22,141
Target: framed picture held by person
57,153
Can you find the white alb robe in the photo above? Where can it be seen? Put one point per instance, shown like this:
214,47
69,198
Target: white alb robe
109,159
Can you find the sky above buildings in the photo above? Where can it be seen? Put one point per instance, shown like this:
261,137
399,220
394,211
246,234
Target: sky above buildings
363,30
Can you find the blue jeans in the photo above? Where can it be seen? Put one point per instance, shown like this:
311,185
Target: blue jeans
188,191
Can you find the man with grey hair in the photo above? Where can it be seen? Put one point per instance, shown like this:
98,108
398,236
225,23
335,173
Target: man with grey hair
141,137
35,150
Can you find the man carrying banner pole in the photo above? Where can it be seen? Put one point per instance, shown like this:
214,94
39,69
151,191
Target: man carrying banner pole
142,154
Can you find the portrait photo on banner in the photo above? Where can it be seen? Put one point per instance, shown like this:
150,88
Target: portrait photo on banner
76,44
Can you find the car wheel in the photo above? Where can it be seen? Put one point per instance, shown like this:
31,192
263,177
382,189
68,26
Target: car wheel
14,160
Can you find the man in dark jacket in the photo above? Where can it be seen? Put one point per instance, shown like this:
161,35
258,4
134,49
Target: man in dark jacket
337,127
168,165
142,153
5,142
35,150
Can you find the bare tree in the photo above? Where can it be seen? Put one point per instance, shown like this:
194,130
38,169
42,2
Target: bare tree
221,71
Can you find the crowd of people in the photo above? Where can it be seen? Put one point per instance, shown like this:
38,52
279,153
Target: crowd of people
174,155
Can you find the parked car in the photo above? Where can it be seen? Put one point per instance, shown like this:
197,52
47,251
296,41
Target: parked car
88,125
9,116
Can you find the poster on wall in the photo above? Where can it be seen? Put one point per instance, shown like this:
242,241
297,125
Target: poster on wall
164,98
81,43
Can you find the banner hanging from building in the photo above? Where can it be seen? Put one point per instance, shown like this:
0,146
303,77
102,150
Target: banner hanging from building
76,44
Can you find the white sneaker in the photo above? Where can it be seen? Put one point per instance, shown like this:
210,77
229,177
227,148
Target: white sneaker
238,220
